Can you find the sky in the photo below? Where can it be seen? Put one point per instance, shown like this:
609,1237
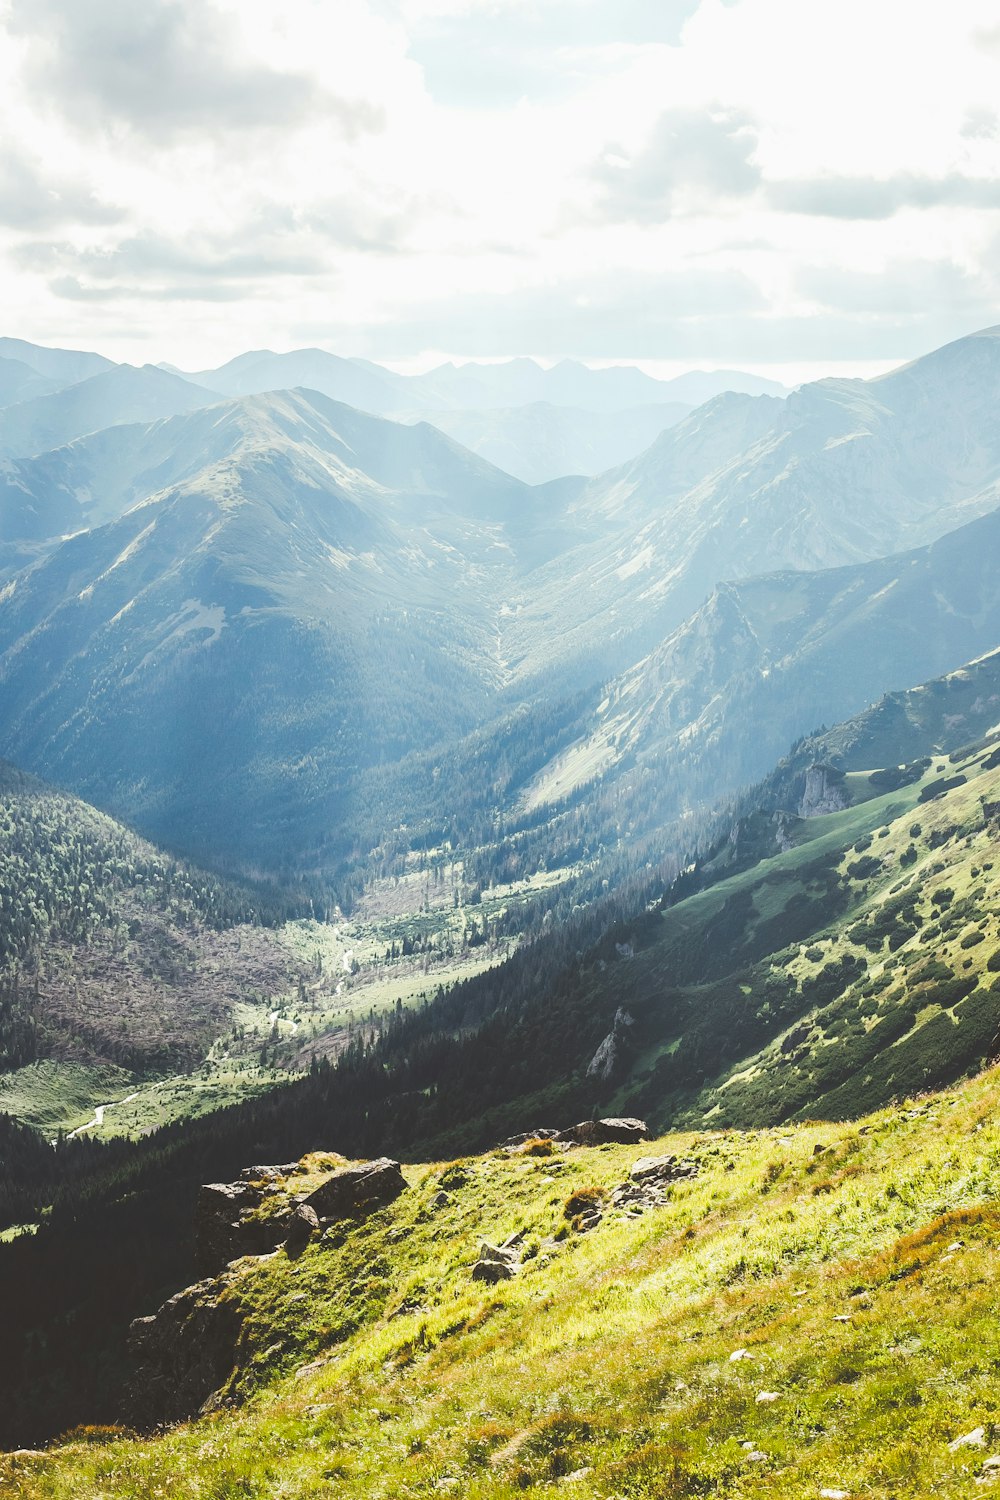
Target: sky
789,186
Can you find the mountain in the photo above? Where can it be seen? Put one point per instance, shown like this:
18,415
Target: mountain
352,613
471,386
113,955
19,382
119,394
350,381
64,366
698,386
541,441
614,388
269,625
766,660
840,472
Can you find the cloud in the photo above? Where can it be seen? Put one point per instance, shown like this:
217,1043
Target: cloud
642,315
700,154
200,268
903,290
163,68
880,198
491,57
980,124
33,198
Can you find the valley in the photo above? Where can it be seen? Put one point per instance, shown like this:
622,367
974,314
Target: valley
366,799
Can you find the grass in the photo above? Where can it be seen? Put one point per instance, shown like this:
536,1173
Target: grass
53,1095
853,1263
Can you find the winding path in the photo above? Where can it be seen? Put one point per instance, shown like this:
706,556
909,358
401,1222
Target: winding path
100,1110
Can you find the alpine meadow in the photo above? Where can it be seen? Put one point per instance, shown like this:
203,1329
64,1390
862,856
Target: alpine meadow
499,750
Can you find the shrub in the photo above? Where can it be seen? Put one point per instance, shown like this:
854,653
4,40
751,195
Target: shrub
582,1201
539,1146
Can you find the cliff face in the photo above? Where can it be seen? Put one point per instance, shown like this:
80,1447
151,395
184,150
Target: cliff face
188,1353
824,792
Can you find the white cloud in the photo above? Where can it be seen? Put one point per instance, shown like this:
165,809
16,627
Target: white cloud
186,178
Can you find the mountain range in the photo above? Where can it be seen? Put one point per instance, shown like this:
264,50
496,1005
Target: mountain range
267,601
513,804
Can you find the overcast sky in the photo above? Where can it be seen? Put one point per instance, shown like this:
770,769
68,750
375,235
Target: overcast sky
787,185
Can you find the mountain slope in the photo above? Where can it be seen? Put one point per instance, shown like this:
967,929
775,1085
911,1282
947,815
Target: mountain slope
19,382
254,635
841,472
119,394
66,366
112,954
810,1310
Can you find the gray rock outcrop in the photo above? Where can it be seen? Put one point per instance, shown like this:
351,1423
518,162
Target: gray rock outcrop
255,1214
498,1262
183,1355
824,792
610,1055
622,1131
354,1191
649,1180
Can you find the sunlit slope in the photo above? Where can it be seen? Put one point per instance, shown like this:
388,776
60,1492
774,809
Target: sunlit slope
861,963
812,1312
253,635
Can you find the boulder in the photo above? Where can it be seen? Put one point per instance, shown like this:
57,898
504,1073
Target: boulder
496,1263
515,1142
226,1223
662,1169
354,1191
622,1131
304,1224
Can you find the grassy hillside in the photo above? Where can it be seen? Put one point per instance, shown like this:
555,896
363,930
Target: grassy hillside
819,965
812,1313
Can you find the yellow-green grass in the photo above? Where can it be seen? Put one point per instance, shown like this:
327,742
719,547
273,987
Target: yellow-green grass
855,1265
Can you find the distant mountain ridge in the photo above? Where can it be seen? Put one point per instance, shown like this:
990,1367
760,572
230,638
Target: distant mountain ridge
278,602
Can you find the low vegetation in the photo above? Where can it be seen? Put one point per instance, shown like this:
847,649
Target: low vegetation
812,1312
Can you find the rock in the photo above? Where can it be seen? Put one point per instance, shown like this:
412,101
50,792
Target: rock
974,1439
440,1200
824,792
765,1398
622,1132
662,1169
496,1263
226,1225
183,1355
739,1354
304,1224
610,1055
829,1494
515,1142
354,1191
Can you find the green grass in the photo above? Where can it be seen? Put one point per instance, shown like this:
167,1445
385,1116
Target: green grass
55,1095
858,1277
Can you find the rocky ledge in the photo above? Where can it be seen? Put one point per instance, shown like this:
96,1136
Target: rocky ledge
185,1354
261,1210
